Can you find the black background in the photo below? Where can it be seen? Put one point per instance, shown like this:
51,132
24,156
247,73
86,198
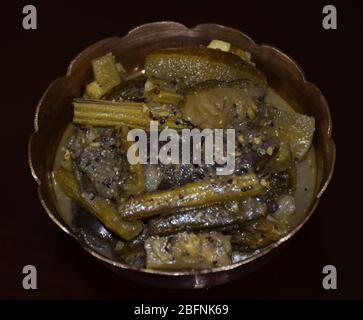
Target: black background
30,60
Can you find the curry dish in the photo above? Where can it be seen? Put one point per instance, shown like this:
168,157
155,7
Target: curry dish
184,216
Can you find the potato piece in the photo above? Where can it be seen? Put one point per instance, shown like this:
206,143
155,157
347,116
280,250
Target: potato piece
188,251
94,90
107,75
106,72
244,55
227,47
220,45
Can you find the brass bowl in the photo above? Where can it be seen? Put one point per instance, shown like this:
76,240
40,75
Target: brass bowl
53,113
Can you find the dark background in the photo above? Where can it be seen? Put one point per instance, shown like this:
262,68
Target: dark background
30,60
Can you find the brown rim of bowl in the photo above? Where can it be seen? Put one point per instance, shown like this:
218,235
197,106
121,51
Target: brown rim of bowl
200,27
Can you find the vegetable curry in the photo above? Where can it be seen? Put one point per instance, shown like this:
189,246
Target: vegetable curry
185,216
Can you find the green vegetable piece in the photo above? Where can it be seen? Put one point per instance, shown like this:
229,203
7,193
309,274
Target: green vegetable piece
132,114
268,229
280,160
134,184
131,253
197,219
215,216
198,64
104,210
292,127
106,72
188,251
165,97
130,90
258,235
214,104
194,194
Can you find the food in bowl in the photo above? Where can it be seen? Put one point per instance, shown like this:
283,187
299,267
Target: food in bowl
185,215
